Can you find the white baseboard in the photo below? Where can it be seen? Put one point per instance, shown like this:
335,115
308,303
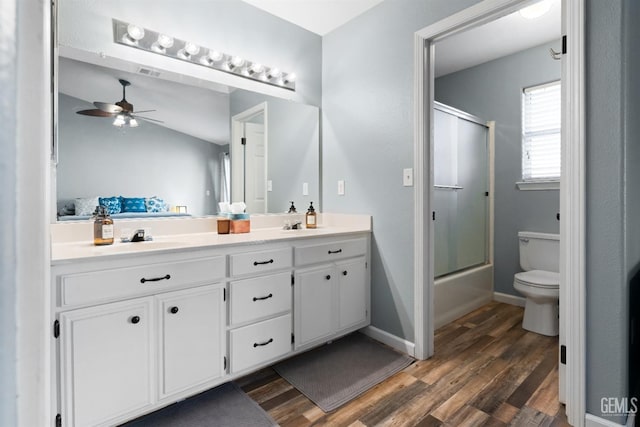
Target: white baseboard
398,343
593,421
509,299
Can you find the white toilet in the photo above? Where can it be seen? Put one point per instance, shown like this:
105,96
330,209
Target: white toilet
540,281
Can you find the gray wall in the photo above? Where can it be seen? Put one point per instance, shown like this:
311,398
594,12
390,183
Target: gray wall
492,91
293,148
98,159
367,94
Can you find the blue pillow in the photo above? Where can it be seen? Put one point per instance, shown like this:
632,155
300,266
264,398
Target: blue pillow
113,204
156,204
133,204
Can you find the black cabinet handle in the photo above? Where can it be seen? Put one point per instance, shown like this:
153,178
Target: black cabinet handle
328,277
174,310
255,344
335,252
155,279
344,273
263,262
262,298
135,319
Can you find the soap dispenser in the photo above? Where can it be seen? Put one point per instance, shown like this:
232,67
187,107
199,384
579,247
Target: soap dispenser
292,208
102,227
311,217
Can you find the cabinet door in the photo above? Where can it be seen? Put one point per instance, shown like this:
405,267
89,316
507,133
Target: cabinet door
314,305
106,361
352,292
191,338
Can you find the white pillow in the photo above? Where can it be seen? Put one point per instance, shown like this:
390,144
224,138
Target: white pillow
86,205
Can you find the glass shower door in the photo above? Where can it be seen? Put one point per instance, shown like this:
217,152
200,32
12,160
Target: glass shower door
460,194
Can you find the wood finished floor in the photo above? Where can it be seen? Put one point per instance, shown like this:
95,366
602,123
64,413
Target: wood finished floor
486,371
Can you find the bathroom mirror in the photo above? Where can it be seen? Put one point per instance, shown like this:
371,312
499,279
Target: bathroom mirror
190,159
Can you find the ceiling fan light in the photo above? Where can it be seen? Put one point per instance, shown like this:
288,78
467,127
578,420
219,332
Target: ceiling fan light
133,123
119,121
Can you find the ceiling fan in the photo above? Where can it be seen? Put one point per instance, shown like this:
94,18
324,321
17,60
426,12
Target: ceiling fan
121,110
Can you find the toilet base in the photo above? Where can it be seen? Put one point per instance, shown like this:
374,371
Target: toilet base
541,318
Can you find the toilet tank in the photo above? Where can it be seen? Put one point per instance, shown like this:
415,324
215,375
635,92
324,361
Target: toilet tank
539,251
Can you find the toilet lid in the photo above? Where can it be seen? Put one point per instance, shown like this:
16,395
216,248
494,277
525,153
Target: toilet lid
543,279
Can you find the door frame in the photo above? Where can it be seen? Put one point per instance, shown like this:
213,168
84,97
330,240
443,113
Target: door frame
235,149
572,189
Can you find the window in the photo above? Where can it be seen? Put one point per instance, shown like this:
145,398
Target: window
541,119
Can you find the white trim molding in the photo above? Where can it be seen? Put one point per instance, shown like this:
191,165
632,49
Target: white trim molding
509,299
593,421
391,340
538,185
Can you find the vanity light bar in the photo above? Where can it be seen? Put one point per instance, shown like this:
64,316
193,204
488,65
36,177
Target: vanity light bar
137,37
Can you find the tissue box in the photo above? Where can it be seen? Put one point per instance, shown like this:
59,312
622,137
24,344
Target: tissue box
240,223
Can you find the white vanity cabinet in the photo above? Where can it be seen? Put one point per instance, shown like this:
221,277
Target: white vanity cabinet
331,290
260,307
106,361
162,337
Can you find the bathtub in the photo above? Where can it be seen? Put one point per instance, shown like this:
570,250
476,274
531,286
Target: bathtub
462,292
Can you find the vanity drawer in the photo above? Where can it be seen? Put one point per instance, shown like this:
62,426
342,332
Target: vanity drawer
313,254
106,285
260,261
259,343
257,298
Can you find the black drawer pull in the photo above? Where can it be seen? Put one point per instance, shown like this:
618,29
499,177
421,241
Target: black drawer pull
156,279
262,298
174,310
135,319
255,344
339,251
328,277
263,262
344,273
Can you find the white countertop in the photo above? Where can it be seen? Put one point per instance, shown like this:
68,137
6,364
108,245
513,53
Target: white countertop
65,251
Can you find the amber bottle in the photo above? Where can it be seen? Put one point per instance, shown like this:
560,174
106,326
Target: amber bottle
311,217
102,227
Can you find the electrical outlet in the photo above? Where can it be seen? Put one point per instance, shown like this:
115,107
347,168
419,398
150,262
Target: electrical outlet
341,188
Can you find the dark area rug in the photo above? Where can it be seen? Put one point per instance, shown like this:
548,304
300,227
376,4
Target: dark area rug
223,406
338,372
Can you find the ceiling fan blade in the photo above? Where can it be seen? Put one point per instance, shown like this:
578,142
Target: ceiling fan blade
148,119
143,111
107,107
95,113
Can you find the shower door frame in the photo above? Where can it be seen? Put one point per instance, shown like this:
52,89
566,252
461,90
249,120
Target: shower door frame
572,189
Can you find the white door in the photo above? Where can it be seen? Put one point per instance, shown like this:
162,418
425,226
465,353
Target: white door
107,362
255,171
192,338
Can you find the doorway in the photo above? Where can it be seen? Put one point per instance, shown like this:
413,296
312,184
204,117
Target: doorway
572,207
249,139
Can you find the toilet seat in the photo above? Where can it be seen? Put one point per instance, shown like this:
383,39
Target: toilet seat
539,279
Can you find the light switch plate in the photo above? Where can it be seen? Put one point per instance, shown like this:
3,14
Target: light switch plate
305,188
407,177
341,188
269,185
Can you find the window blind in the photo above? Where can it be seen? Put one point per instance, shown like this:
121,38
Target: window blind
541,125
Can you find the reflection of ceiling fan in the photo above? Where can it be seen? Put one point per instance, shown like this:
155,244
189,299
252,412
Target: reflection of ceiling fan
122,111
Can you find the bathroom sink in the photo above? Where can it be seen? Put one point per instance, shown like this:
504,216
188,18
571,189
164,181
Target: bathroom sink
302,231
138,246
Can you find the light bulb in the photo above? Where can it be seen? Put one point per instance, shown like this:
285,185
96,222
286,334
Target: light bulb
163,43
237,61
211,57
256,68
134,33
119,121
188,50
275,73
133,123
536,10
290,78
